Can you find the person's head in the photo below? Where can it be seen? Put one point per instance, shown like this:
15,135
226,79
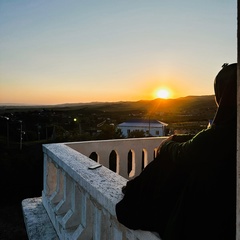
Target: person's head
225,86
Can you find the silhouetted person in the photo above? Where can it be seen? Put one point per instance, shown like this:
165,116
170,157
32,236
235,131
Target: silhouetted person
189,191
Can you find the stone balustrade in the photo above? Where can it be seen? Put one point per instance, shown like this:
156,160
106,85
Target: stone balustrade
142,150
80,202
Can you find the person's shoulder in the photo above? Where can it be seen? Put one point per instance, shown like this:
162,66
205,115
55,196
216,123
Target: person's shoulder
204,137
204,133
214,134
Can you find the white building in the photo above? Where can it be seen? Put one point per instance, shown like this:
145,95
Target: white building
153,128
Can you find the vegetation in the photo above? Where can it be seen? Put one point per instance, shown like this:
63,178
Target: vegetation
21,174
137,134
99,120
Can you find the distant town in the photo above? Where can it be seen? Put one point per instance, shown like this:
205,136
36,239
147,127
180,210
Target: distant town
82,122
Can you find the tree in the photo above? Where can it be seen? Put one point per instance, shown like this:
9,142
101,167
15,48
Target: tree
136,134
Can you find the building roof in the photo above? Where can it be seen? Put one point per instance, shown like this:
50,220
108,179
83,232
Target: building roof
142,123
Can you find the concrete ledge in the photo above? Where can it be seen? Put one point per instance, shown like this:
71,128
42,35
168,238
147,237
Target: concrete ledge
37,222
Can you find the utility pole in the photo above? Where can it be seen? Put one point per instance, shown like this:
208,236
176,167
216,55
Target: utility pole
7,119
7,131
20,121
149,126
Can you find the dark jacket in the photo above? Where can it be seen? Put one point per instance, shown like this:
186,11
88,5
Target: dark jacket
189,191
206,207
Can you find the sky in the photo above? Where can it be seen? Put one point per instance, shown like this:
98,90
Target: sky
70,51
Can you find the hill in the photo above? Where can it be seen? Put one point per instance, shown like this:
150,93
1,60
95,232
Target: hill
183,104
192,112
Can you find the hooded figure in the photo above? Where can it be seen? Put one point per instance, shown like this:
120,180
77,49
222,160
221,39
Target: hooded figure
189,191
225,87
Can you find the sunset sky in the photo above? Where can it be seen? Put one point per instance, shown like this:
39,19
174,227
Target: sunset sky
69,51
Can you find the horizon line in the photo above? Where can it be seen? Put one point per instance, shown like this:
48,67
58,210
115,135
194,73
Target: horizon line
93,102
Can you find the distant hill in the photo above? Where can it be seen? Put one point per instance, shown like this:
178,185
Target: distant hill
190,105
182,105
187,114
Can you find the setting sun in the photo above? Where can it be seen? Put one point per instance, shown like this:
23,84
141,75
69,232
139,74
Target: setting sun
163,93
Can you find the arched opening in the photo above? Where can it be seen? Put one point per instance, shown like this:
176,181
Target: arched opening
113,161
131,163
144,159
94,156
155,153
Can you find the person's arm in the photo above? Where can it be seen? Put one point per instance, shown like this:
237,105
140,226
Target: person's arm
163,142
186,151
175,138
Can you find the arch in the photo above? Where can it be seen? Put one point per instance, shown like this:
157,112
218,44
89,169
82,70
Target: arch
131,163
155,153
144,159
94,156
113,161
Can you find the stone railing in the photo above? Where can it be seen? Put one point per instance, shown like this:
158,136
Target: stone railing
80,202
135,153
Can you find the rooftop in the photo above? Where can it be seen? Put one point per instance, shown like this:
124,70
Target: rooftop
142,122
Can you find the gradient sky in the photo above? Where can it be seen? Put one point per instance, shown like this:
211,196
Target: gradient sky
68,51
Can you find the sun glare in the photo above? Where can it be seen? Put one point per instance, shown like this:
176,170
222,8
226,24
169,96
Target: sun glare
163,93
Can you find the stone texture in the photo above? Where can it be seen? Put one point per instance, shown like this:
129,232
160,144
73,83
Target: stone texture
37,222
